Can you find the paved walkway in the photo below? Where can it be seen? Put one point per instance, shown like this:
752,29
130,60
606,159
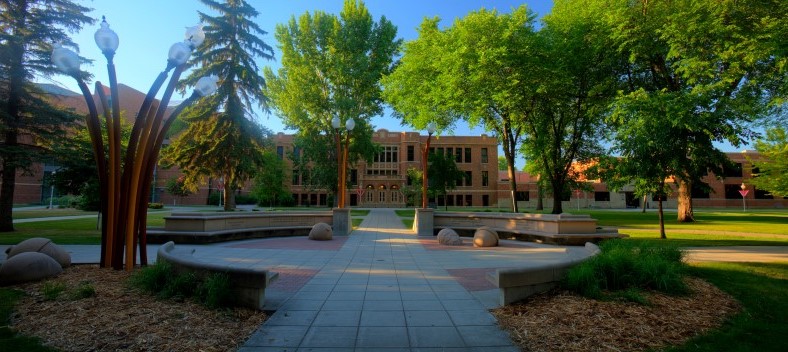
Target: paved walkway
384,289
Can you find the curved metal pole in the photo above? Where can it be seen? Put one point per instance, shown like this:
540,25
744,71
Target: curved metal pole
94,129
113,191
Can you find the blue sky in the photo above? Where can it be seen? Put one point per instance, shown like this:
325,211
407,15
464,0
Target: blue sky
147,28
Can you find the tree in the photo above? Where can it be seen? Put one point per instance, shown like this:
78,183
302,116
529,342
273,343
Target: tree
502,164
28,28
269,184
479,69
577,82
772,172
705,69
222,138
443,175
177,187
412,191
331,68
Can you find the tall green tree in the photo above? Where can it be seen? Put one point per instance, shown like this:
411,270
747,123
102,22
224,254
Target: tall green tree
705,70
479,69
577,82
270,186
222,138
28,29
772,173
443,174
331,67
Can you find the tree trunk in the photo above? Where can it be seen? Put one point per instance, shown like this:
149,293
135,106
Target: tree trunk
645,200
661,221
7,196
540,195
685,213
512,184
558,208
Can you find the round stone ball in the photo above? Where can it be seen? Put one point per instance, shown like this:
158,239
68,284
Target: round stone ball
320,232
449,237
485,237
41,245
28,266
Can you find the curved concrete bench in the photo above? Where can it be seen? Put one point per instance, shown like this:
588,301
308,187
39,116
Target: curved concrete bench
516,284
247,284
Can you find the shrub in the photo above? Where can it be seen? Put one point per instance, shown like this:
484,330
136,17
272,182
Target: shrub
629,267
161,280
52,290
214,291
152,279
84,290
155,205
181,286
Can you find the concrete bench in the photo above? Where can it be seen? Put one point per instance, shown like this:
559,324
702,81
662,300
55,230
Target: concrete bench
247,284
516,284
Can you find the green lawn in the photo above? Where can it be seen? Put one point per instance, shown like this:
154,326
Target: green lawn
71,231
757,221
763,324
44,213
10,341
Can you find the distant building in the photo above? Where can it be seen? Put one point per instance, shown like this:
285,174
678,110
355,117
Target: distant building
381,183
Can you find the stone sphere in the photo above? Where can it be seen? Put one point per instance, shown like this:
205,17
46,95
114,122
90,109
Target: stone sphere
28,266
41,245
485,237
449,237
320,232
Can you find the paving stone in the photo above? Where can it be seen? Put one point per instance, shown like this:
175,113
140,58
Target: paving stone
434,337
471,317
337,318
484,336
428,318
382,318
330,336
382,337
292,317
277,336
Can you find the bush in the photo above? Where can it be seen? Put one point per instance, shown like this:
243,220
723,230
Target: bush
213,199
629,266
155,205
161,280
52,290
84,290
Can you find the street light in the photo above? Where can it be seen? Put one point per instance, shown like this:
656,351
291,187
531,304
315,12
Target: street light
743,193
125,186
51,187
430,131
342,156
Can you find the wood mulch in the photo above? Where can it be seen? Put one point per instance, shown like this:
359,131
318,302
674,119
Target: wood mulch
560,321
119,318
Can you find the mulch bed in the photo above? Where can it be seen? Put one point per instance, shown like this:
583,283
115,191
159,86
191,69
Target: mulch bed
119,318
560,321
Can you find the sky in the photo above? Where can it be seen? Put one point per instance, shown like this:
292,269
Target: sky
147,29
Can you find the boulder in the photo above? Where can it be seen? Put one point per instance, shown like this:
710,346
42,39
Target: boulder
41,245
28,266
485,237
449,237
320,232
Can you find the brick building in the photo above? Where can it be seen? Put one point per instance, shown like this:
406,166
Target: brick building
381,183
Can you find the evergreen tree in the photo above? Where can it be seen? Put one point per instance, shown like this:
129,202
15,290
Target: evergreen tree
28,29
222,138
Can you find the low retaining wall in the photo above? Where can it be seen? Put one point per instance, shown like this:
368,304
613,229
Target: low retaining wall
247,284
564,229
517,284
198,228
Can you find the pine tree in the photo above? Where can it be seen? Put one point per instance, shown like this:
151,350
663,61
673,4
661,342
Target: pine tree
28,29
221,138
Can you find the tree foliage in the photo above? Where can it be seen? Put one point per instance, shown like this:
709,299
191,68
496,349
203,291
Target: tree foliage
772,173
331,67
222,137
270,186
443,175
27,31
478,70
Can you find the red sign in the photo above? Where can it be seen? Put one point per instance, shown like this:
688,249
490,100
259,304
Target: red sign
744,192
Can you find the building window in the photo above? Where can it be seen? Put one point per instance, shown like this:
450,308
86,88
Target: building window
296,153
485,178
484,155
485,200
734,171
440,151
382,197
468,178
280,152
761,194
467,155
522,196
460,200
353,177
602,196
469,200
411,153
732,191
296,178
458,155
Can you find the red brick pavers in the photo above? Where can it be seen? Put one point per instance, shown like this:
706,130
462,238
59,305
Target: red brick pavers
291,280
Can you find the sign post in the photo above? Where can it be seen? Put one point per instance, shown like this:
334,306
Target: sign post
743,193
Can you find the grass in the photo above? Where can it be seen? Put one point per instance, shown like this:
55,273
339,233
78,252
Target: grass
44,213
162,281
359,212
10,341
71,231
406,213
757,221
763,324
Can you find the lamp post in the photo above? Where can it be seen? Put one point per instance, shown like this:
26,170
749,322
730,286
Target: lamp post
342,156
125,186
51,188
743,193
430,131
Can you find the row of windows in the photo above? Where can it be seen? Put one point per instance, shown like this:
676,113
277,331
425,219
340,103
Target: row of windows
460,155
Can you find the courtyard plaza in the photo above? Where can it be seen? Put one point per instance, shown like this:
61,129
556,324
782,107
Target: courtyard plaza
381,288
